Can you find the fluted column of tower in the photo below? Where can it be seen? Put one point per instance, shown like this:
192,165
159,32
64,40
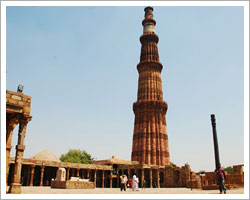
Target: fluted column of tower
150,138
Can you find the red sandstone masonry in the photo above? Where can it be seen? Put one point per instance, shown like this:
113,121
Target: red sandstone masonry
150,143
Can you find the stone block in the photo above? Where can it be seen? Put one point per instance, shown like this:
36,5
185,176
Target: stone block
26,109
12,101
61,174
20,103
15,188
16,97
24,99
20,147
72,178
72,184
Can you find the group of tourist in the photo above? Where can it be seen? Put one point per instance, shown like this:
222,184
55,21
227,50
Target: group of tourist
219,171
124,183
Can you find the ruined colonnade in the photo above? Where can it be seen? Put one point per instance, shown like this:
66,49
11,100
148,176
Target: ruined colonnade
17,113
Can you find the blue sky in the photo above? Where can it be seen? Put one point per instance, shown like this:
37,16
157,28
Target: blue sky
79,66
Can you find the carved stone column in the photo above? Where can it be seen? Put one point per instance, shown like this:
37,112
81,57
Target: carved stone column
158,178
42,174
118,178
142,177
11,124
95,177
32,174
15,187
67,178
103,177
150,178
87,173
111,179
137,175
28,176
77,172
128,173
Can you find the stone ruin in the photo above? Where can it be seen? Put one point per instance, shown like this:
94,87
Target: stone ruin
73,183
61,174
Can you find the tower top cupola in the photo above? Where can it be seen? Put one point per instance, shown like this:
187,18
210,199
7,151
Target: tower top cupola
148,12
148,22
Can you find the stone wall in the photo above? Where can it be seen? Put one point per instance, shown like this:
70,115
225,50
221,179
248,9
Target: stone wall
233,180
169,176
72,185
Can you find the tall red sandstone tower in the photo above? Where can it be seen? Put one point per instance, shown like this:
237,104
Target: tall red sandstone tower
150,139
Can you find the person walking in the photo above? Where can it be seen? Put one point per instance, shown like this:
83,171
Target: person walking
221,177
135,183
123,182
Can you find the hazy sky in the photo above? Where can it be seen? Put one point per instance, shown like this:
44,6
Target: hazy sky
79,66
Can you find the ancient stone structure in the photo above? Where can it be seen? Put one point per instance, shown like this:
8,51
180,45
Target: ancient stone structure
233,180
150,139
60,174
76,184
73,183
41,171
17,112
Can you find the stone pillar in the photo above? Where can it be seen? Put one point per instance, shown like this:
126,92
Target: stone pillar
95,177
136,172
28,176
137,175
67,175
32,174
11,124
77,172
118,178
88,174
15,187
42,174
103,177
150,178
128,173
158,178
111,179
142,177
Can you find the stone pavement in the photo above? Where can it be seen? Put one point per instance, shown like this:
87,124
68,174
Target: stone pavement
48,190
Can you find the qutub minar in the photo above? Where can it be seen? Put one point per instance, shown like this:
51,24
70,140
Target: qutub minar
150,138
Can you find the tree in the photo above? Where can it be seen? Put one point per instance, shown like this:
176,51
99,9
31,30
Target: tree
77,156
171,163
229,169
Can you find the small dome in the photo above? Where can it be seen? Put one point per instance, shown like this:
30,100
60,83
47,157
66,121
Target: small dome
46,155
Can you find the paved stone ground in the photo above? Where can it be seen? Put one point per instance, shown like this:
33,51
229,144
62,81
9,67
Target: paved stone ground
48,190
